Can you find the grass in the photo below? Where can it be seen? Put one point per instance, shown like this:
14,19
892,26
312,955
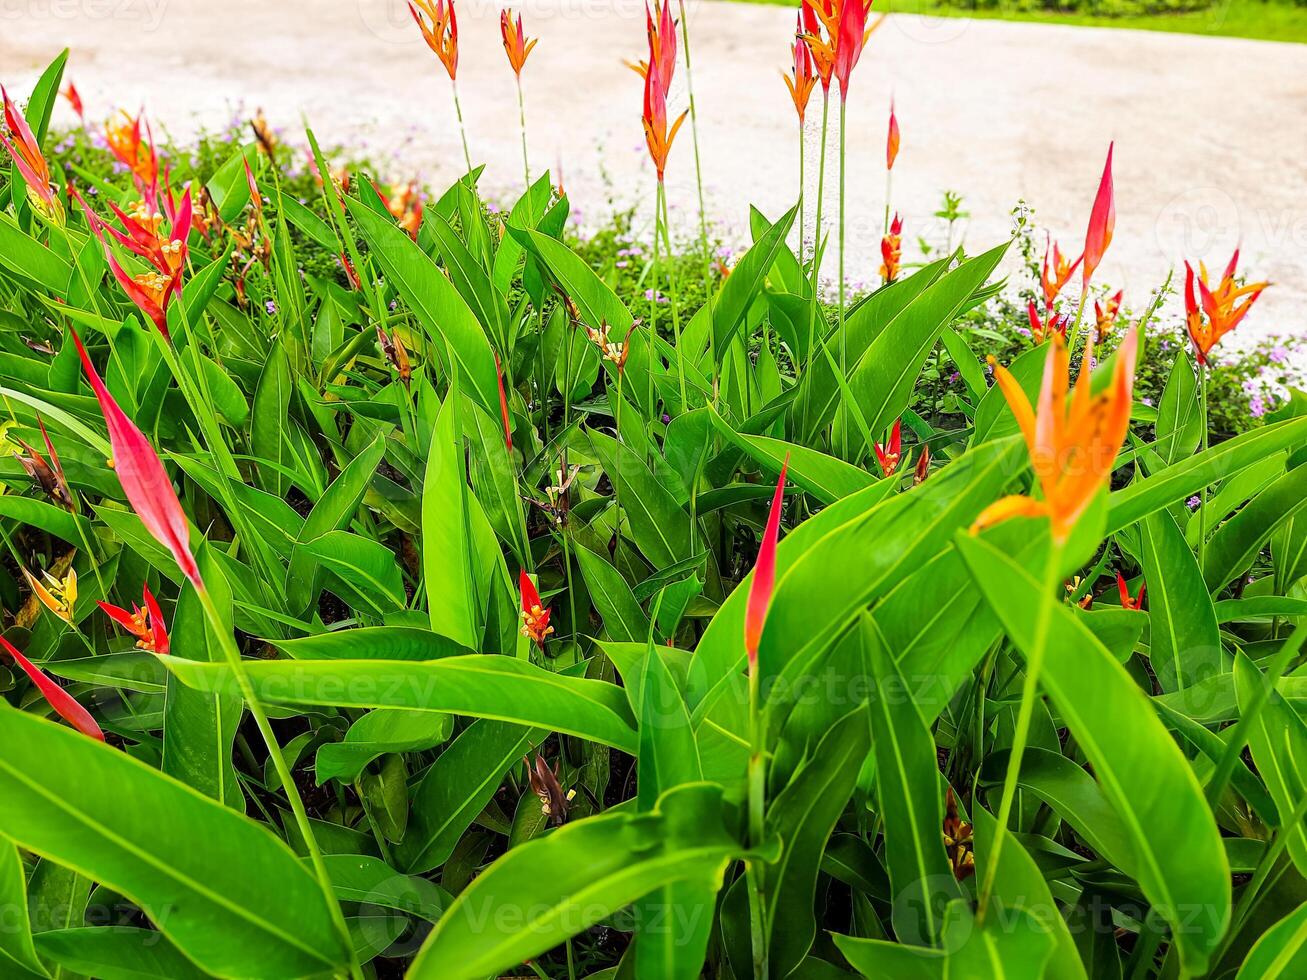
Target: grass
1267,20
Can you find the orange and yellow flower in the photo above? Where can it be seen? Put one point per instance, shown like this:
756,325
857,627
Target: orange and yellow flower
803,79
1057,272
1105,314
439,26
891,250
656,134
1051,324
1073,437
516,45
144,623
23,147
1221,310
535,616
134,151
57,595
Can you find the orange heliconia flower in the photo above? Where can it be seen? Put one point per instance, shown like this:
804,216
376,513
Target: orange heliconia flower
829,25
802,81
21,143
1074,437
516,45
535,616
144,623
656,134
1105,314
74,98
661,29
1221,310
1051,324
1102,221
1058,273
441,34
892,138
891,250
1128,601
134,151
60,700
889,454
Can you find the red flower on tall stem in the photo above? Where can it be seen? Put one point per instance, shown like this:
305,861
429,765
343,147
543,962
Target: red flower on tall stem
1102,221
892,139
1221,310
803,79
143,478
439,30
891,250
23,147
656,134
516,45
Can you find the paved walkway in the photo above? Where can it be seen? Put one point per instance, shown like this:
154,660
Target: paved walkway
1211,133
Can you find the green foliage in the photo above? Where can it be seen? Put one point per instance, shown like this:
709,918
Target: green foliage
381,470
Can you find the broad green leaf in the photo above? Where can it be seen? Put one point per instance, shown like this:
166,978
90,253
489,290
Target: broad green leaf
367,567
17,953
443,313
502,688
230,895
907,785
1185,643
380,731
118,953
372,643
1173,835
271,409
1237,542
453,599
376,885
740,289
457,787
552,887
624,620
1281,951
1278,742
659,525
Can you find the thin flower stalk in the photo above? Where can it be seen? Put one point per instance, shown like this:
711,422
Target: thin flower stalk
438,23
517,47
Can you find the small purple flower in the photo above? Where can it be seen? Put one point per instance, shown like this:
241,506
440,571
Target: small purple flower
1147,401
1256,406
270,307
666,418
1192,503
1279,355
622,264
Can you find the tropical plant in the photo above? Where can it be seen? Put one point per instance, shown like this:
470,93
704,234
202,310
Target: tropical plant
486,626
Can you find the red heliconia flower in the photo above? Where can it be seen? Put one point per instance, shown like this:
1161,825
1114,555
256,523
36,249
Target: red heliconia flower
516,45
146,624
74,99
656,134
1102,221
888,455
852,36
1050,324
1058,274
923,467
892,139
63,703
503,404
143,479
1126,601
891,250
21,143
1221,310
441,34
803,79
1105,315
535,617
661,29
351,275
764,574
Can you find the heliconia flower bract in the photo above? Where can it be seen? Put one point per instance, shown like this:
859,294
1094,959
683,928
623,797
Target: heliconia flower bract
63,703
764,574
134,151
889,454
803,80
143,479
1127,601
1102,221
1057,272
1220,310
49,475
441,34
57,595
923,467
516,45
144,623
852,36
818,16
74,99
891,250
1051,324
21,143
892,139
544,783
1105,314
392,346
661,30
535,617
656,135
1073,441
503,405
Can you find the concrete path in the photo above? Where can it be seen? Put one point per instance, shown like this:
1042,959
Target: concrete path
1211,133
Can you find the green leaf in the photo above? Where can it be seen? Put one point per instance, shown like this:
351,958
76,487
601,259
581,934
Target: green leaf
1237,542
552,887
271,409
367,567
376,733
503,688
457,787
372,643
1181,863
443,313
118,953
1281,951
741,287
657,523
16,950
907,785
1278,742
1185,638
624,620
229,894
1187,477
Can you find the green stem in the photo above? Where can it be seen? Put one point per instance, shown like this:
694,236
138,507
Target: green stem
802,187
816,240
844,368
521,118
462,130
757,789
1029,693
1202,494
225,640
665,221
